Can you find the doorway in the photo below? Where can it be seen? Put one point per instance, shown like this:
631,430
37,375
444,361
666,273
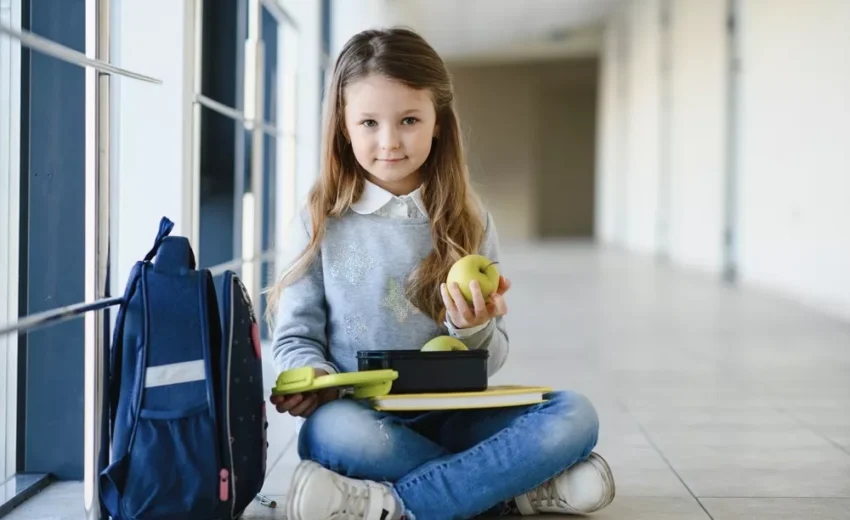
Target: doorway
566,156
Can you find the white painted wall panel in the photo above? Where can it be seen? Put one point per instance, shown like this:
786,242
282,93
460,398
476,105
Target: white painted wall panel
698,132
641,175
795,160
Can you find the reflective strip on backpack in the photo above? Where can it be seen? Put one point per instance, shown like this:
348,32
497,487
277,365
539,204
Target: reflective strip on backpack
175,373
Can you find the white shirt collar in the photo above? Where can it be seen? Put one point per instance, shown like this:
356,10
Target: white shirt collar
374,198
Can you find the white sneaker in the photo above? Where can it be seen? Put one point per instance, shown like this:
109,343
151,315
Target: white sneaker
585,487
317,493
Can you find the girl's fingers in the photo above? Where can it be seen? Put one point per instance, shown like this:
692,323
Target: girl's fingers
451,309
500,307
305,404
288,402
447,300
478,299
504,285
460,303
309,411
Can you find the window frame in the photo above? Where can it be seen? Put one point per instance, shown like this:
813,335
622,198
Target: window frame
10,123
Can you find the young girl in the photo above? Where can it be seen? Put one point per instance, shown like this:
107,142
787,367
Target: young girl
391,212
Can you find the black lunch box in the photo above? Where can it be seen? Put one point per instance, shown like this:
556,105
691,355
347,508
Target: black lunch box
429,372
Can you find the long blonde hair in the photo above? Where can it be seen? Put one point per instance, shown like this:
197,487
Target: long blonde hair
454,209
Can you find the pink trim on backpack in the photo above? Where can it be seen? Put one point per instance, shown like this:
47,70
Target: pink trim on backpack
224,485
255,339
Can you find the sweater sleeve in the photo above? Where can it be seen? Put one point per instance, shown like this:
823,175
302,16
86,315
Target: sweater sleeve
300,337
494,336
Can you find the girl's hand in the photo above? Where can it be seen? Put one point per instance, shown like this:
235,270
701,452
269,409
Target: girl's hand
304,404
462,315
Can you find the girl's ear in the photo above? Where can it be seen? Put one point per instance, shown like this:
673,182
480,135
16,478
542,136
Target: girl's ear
436,131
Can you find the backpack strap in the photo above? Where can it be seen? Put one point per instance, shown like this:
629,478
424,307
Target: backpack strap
165,227
115,351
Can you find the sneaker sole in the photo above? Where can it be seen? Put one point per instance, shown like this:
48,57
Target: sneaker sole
607,476
299,477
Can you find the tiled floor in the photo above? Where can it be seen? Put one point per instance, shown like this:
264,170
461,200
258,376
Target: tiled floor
715,402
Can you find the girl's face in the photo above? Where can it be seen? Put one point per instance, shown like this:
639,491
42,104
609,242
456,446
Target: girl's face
390,127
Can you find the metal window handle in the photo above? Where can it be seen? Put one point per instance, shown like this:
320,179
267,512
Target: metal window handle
69,55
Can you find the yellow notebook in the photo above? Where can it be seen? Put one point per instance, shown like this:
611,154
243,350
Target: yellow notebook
493,397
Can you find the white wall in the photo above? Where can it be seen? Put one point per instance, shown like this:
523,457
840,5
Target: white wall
642,169
792,163
609,114
351,17
148,126
697,132
794,160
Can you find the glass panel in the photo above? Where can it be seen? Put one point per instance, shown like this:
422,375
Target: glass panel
52,245
224,175
280,59
263,229
272,38
288,52
271,176
280,45
326,26
286,193
326,50
223,51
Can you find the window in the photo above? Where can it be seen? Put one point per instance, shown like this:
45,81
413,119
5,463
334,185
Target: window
247,135
243,149
325,58
10,107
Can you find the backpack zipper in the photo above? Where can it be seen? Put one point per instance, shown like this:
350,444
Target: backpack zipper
229,438
224,485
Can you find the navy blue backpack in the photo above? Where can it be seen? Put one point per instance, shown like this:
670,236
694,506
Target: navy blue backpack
185,396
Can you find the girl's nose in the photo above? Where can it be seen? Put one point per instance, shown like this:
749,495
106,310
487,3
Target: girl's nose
389,140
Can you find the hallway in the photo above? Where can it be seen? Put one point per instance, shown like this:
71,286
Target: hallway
714,402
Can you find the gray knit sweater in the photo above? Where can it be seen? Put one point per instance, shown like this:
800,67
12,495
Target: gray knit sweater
351,298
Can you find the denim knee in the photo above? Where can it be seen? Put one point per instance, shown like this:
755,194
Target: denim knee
571,423
342,434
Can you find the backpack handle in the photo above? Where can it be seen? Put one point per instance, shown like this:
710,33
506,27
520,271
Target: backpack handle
165,227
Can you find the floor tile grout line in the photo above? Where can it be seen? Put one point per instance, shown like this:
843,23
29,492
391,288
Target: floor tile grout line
783,411
664,458
764,497
780,410
282,453
813,429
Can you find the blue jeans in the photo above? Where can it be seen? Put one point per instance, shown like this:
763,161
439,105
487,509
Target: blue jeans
452,464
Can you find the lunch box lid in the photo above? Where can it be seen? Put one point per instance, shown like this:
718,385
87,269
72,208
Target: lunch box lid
418,354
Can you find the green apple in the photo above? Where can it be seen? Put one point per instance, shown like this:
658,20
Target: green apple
444,344
474,267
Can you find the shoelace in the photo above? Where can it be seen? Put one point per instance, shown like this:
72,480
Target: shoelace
545,495
355,501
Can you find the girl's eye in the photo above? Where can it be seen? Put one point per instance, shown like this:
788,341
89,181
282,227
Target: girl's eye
409,120
369,123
